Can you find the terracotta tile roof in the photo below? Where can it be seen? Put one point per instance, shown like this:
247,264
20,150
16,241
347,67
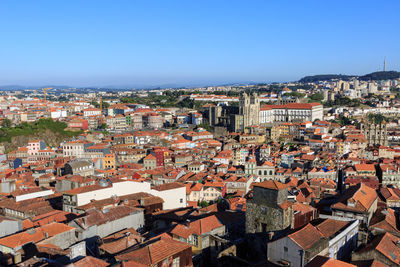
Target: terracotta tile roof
365,167
237,203
53,216
306,237
271,184
149,157
287,204
330,227
196,187
154,252
120,241
97,217
192,204
168,186
268,163
294,106
376,263
302,208
321,261
390,194
197,227
34,235
387,246
361,195
388,223
89,261
28,207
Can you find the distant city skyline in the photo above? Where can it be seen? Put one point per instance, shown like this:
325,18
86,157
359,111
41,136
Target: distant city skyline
186,43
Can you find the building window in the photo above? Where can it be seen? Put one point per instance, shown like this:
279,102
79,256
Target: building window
264,210
195,240
176,262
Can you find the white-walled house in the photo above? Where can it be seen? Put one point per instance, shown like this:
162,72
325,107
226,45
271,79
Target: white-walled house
336,238
173,194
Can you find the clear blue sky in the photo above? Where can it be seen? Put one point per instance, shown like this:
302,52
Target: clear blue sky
137,43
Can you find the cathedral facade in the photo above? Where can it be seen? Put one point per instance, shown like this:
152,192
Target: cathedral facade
249,108
376,134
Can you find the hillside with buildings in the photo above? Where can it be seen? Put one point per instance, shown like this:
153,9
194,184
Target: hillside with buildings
245,175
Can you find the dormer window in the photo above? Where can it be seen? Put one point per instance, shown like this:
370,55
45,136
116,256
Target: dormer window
351,204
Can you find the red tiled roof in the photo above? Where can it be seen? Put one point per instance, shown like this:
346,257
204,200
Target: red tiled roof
329,227
364,167
90,261
321,261
168,186
149,156
197,227
387,246
34,235
306,237
153,253
362,195
271,184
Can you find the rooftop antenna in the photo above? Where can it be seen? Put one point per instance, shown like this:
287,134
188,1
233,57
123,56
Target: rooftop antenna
384,64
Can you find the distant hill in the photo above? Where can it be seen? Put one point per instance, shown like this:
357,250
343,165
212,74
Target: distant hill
376,76
381,75
22,87
325,77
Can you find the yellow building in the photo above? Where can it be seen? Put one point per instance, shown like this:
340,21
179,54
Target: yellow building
109,162
339,148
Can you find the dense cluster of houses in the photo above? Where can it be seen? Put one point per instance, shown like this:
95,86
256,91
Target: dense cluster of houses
298,193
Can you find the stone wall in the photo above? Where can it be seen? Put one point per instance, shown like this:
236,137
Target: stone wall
263,213
260,218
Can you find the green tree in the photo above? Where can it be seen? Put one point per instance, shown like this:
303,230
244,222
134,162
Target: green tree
377,118
342,120
205,126
204,204
296,94
106,104
6,123
95,103
317,97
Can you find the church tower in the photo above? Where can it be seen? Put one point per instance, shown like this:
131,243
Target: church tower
249,107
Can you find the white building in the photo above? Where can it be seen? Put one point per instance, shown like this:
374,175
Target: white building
266,115
173,194
293,112
91,112
73,148
57,114
333,238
